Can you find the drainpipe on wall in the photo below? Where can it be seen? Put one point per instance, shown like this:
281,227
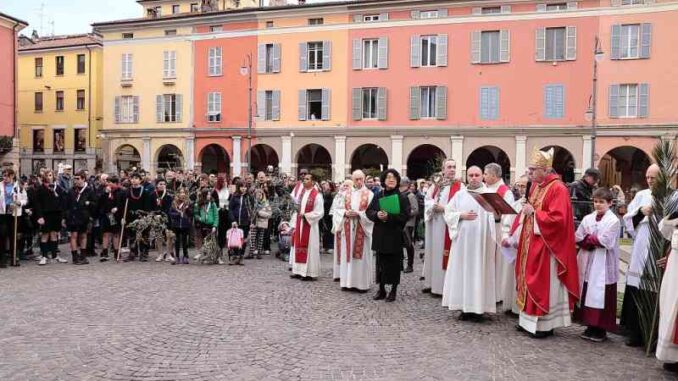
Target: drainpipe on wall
92,142
15,115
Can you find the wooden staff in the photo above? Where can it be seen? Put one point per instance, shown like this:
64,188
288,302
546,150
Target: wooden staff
122,230
16,218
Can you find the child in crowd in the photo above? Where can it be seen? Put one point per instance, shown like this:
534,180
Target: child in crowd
597,237
234,241
284,240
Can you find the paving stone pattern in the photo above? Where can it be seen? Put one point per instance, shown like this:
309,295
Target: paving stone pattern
154,321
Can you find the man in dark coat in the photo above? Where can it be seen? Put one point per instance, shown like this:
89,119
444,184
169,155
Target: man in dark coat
580,193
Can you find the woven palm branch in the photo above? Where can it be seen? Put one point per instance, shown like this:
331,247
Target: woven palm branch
210,252
663,202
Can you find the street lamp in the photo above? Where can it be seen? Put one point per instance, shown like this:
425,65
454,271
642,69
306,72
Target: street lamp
246,70
591,112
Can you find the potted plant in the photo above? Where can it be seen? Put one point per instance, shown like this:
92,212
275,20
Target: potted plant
6,144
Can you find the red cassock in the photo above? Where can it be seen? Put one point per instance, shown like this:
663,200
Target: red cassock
553,213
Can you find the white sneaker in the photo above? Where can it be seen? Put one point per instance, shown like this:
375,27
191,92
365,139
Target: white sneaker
169,258
43,261
196,257
60,260
159,259
221,261
330,251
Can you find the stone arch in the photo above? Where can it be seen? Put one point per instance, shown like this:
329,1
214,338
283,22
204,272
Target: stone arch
424,160
169,157
485,155
215,159
316,159
262,156
126,156
624,166
371,158
563,162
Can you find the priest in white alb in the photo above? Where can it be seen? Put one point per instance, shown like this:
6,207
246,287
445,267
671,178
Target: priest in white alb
469,280
667,340
305,252
505,279
337,223
438,244
354,250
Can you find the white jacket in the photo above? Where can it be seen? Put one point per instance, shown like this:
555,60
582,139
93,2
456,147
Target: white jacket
20,196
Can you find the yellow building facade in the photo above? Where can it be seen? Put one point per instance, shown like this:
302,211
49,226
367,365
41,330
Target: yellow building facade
159,8
60,101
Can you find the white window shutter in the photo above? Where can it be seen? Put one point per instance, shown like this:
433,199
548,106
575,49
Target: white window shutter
302,104
357,18
381,103
441,52
159,108
504,45
475,47
505,9
613,101
165,64
540,44
442,13
643,92
357,54
571,5
116,110
261,104
303,57
219,62
615,3
541,7
441,102
261,58
415,51
327,97
383,53
179,104
615,42
571,44
277,56
383,17
275,109
327,55
645,40
476,11
415,14
135,109
357,103
415,102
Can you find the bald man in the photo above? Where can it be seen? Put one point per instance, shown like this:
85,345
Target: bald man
637,224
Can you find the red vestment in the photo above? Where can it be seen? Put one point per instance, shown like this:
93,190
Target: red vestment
553,213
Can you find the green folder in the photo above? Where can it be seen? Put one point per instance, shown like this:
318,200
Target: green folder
390,204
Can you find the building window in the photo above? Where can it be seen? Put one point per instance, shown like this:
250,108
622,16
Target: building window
269,24
214,62
315,56
489,103
216,28
628,101
171,32
268,108
175,9
59,140
126,66
429,47
270,50
428,15
316,21
81,64
554,101
370,18
170,108
80,140
59,65
489,46
38,67
370,54
314,104
214,107
195,7
632,2
80,104
128,36
428,102
556,7
490,10
630,40
38,140
370,103
555,44
169,64
127,109
60,101
38,102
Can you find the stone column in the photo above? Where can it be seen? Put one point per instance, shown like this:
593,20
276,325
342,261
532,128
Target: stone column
458,152
339,158
587,149
236,163
286,162
190,153
146,156
397,153
521,156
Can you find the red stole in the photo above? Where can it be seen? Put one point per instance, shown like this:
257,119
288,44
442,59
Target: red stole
359,233
454,188
298,189
501,191
553,212
302,229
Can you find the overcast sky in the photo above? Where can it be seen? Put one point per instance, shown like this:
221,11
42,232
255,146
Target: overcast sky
71,16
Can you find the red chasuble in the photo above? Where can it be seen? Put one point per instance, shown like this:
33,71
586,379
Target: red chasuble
454,188
553,213
302,229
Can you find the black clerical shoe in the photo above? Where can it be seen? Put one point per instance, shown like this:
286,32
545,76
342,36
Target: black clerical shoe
426,290
295,276
542,334
345,289
409,269
671,367
337,279
633,341
381,294
519,328
464,316
307,279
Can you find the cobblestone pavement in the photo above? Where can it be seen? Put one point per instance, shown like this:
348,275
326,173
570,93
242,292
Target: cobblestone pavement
154,321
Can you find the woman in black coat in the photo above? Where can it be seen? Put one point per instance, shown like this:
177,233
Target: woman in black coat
387,237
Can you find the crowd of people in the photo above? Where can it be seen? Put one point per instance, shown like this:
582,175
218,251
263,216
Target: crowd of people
541,250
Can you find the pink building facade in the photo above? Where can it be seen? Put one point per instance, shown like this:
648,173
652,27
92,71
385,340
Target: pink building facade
9,29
